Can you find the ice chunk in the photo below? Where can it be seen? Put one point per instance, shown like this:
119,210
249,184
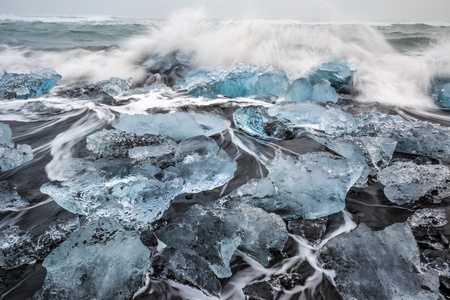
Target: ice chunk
272,83
216,232
11,157
117,143
202,165
24,86
98,261
337,121
113,86
428,217
311,186
338,73
255,120
242,80
16,247
299,91
324,92
441,94
297,113
415,137
9,196
107,188
188,268
177,125
5,136
379,265
137,190
374,152
406,182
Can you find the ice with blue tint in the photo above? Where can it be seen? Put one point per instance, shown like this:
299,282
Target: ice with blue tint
299,91
177,125
24,86
324,92
441,94
118,143
216,232
202,164
11,157
113,86
338,73
413,137
184,266
379,265
406,182
255,120
242,80
22,247
297,113
316,186
98,261
111,188
9,197
137,185
373,152
272,83
336,121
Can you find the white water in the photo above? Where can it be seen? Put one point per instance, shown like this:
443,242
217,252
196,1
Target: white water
385,75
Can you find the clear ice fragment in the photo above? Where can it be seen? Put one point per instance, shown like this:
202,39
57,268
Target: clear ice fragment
24,86
98,261
299,91
177,125
311,186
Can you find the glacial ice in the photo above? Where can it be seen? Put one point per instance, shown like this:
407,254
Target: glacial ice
118,143
406,182
441,94
299,91
202,164
272,83
177,64
373,152
113,86
177,125
9,196
297,113
98,261
379,265
216,232
416,137
255,120
24,86
242,80
184,267
109,188
324,92
428,217
17,247
317,185
338,73
138,187
11,157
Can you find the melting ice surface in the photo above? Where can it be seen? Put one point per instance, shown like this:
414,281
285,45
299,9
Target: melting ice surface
24,86
316,186
177,125
76,269
11,157
148,171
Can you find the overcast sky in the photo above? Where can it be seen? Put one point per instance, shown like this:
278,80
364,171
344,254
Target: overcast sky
308,10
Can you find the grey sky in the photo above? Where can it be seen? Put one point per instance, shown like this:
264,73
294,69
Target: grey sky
309,10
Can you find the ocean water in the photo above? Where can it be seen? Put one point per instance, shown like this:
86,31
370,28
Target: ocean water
398,66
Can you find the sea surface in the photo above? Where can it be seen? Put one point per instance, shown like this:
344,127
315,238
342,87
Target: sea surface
398,65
